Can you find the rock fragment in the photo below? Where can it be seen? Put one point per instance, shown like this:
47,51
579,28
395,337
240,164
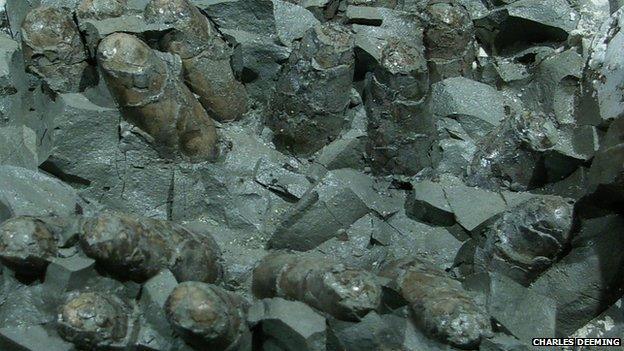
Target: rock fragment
439,304
541,22
107,160
606,175
12,81
138,248
292,325
313,91
518,309
19,147
32,338
377,332
609,324
54,51
427,202
339,199
477,107
503,342
100,9
94,321
587,280
292,21
26,192
145,84
208,317
69,274
205,57
346,294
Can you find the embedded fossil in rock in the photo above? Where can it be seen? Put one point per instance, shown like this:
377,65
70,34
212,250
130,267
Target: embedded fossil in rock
146,86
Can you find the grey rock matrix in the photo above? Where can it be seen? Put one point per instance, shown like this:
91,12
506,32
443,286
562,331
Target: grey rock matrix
310,175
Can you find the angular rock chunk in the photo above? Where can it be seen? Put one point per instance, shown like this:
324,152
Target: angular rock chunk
292,21
107,160
588,279
334,203
19,147
281,180
54,51
606,175
67,274
364,245
313,91
145,84
27,245
512,155
101,9
208,317
604,73
609,324
378,332
32,338
449,39
526,22
503,342
205,57
292,325
12,81
477,107
400,132
25,192
462,200
528,238
138,248
439,304
346,294
94,321
427,202
413,238
518,309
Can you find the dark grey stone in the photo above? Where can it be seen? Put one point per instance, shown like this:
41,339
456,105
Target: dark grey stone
541,21
334,203
449,38
12,81
519,310
587,280
26,192
512,155
292,324
478,107
32,338
68,274
502,342
427,203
